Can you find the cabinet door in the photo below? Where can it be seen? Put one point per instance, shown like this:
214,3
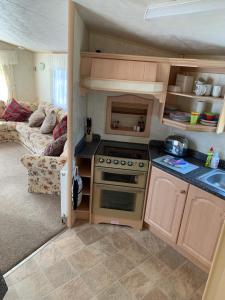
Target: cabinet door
165,204
123,70
201,225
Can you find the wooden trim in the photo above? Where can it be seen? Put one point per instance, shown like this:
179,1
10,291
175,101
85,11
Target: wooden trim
71,16
221,123
183,62
188,126
114,85
193,96
96,219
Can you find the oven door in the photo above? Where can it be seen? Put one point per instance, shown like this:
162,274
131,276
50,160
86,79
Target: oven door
120,177
118,202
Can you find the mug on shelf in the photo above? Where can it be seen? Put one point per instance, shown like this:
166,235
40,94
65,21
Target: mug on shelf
208,89
199,88
216,90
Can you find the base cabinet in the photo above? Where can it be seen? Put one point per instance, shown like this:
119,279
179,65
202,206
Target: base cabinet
165,203
201,225
186,217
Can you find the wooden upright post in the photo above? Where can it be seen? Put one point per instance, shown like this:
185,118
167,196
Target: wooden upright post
71,15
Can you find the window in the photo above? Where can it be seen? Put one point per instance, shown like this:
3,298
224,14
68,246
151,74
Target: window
3,86
59,87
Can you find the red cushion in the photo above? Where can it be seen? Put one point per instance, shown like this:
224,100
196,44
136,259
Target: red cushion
60,129
16,112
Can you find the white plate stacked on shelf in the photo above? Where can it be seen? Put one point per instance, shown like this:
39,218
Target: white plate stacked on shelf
208,123
180,116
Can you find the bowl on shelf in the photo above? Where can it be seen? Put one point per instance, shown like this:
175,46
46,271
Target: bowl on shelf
209,116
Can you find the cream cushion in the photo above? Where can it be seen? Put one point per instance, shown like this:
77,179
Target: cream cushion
37,117
49,122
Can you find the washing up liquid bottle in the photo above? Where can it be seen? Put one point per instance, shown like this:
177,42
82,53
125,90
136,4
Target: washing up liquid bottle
209,158
215,161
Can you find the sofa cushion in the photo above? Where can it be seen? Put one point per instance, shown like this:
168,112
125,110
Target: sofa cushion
49,122
14,111
60,128
55,148
39,141
32,106
2,108
37,117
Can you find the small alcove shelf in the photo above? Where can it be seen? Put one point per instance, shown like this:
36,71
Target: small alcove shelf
126,112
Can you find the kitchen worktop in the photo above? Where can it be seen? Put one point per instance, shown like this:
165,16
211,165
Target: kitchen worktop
194,157
87,149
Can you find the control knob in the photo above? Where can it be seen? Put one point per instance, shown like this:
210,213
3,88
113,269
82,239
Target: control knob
130,163
141,164
116,162
123,162
108,161
101,160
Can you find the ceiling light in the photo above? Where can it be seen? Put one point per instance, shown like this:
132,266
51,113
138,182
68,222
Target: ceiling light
165,8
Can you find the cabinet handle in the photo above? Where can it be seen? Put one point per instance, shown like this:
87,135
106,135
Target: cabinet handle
183,192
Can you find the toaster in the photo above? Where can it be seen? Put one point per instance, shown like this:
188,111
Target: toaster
176,145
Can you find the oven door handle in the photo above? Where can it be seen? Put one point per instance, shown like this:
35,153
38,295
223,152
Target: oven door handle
118,188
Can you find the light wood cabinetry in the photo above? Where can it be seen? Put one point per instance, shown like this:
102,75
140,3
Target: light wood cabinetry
128,111
124,75
165,204
201,224
186,217
124,70
85,167
186,102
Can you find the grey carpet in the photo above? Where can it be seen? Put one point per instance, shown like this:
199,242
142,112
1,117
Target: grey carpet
26,220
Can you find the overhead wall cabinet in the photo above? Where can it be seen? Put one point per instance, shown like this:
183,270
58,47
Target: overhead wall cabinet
186,217
152,76
124,75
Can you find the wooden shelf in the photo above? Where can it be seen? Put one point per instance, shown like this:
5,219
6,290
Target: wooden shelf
82,212
86,190
84,170
193,96
187,126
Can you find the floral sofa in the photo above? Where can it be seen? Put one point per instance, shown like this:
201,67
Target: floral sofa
43,171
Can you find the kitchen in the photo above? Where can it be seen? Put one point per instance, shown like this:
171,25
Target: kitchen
104,97
139,184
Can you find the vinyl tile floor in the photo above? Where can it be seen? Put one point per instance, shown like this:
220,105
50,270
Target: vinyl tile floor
105,262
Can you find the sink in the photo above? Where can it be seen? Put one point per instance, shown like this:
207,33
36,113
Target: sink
215,178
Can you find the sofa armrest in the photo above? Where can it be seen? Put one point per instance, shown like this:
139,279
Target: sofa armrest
43,162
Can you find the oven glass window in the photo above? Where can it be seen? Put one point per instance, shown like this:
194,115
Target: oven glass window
118,200
107,176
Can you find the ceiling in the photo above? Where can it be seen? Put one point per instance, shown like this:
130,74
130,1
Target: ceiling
199,33
38,25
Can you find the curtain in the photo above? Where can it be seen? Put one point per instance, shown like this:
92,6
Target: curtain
58,64
8,60
8,71
4,93
59,87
